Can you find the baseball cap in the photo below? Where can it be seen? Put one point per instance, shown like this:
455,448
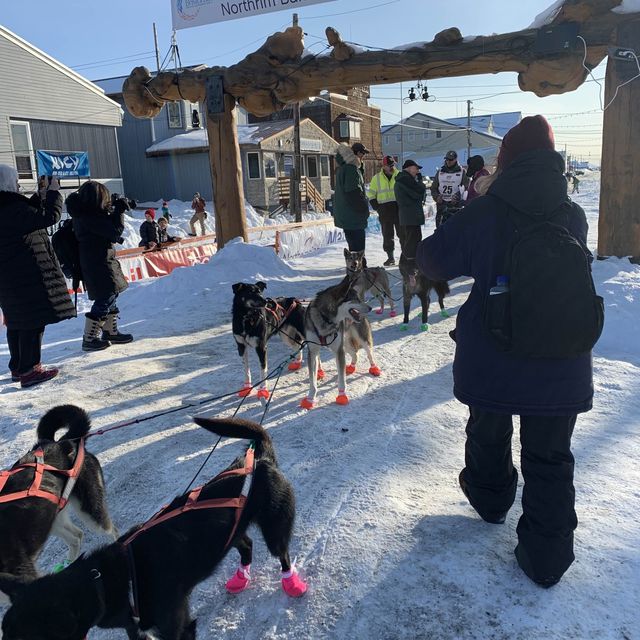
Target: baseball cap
451,155
411,163
388,161
358,147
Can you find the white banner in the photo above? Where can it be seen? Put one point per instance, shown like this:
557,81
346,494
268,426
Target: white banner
193,13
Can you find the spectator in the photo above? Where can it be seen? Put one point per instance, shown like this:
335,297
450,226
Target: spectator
149,230
382,198
351,207
547,393
98,226
33,291
163,234
475,171
576,184
409,192
199,215
446,185
165,211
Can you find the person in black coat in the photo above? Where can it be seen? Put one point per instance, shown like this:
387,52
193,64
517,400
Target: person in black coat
149,232
33,291
97,226
547,393
409,190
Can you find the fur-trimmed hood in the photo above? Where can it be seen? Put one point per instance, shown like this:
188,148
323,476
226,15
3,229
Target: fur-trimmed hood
345,155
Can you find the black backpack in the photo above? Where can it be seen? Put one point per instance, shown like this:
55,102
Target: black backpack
65,244
550,308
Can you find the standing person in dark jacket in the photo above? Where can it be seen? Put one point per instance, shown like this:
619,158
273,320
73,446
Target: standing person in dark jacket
547,393
475,171
33,291
350,204
410,189
149,232
97,227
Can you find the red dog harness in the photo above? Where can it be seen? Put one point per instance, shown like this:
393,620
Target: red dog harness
39,467
193,502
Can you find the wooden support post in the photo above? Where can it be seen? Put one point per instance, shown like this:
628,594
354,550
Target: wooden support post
619,221
226,173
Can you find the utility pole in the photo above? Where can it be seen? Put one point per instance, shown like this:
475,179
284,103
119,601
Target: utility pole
401,127
295,195
468,130
155,42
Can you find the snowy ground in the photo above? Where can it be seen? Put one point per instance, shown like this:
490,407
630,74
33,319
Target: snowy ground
388,544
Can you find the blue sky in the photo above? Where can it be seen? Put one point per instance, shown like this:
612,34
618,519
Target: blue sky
102,39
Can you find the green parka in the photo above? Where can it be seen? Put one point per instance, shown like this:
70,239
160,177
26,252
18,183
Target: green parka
350,204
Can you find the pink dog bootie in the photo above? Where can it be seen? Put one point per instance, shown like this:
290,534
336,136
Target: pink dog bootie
239,581
264,394
245,391
292,584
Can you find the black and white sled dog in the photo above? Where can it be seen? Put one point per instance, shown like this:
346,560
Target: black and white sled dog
415,283
255,319
364,278
163,563
55,474
336,319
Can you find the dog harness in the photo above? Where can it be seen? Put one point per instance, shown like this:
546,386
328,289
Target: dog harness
39,467
193,503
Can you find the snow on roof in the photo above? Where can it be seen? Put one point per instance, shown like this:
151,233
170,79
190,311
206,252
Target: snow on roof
501,122
627,6
197,139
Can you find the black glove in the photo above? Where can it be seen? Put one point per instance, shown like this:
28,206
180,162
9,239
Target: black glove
374,204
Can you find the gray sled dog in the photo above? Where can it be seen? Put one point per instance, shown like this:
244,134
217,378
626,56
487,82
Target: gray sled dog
57,475
335,319
364,278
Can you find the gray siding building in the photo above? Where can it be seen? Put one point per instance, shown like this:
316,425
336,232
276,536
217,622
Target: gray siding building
426,139
46,106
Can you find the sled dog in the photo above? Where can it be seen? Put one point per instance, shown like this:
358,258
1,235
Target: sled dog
335,319
255,319
364,278
161,564
415,283
26,521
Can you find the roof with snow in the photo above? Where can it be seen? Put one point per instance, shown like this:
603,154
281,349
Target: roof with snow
496,124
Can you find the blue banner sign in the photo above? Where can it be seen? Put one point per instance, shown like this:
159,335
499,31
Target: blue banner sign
74,164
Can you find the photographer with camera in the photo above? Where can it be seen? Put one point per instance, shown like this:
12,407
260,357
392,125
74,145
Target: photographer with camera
97,226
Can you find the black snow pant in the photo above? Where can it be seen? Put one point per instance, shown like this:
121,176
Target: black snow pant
389,222
410,237
24,347
545,529
355,239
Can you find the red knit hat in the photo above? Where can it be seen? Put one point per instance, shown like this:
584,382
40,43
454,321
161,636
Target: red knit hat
531,134
150,212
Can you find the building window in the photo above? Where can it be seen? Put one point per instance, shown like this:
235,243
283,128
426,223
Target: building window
253,162
23,150
387,140
288,166
411,136
438,134
269,165
324,166
398,137
349,129
312,166
174,114
194,115
425,135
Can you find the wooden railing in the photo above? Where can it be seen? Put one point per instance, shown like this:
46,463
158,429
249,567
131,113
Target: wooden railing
308,191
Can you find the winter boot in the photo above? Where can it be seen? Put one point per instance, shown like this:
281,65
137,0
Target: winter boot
91,340
37,375
110,329
390,261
